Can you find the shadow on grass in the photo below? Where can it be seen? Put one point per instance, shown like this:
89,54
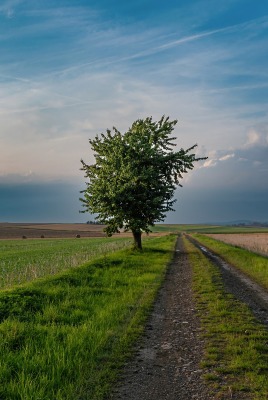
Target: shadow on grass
21,303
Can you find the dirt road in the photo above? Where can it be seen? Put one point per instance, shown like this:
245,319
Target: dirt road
166,364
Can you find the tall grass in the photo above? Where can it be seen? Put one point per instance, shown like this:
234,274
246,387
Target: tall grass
25,260
236,355
66,337
254,265
256,242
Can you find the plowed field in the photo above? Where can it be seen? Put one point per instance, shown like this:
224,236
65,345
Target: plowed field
17,231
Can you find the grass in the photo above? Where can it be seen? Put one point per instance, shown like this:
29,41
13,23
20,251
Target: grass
66,336
176,228
254,265
230,229
236,352
256,242
25,260
203,228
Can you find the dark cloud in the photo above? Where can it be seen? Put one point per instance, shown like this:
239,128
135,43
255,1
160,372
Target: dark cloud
35,202
230,185
59,202
204,205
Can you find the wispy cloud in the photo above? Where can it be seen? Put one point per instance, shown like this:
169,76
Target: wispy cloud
8,7
163,46
111,75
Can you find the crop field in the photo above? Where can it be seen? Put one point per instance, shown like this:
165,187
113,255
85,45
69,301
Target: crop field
230,229
176,228
256,242
204,228
17,231
53,230
25,260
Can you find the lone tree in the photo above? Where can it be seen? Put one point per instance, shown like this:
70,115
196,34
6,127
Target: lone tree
132,183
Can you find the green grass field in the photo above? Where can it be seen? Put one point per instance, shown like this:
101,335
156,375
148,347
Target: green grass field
66,336
176,228
25,260
56,331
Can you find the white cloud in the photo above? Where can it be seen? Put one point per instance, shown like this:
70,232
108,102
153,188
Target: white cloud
55,117
253,138
210,163
226,157
243,168
112,76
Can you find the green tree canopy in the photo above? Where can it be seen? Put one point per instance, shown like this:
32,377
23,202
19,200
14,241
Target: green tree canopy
132,183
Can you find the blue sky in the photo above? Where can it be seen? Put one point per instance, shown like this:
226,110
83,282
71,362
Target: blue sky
72,69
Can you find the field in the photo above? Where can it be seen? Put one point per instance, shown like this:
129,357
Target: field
50,230
203,228
17,231
69,304
256,242
176,228
25,260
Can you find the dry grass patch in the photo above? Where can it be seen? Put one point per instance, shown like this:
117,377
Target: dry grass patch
256,242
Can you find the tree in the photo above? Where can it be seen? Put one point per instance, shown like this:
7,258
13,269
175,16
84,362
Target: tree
132,183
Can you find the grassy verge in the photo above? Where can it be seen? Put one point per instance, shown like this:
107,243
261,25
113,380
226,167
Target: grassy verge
236,353
66,337
23,261
254,265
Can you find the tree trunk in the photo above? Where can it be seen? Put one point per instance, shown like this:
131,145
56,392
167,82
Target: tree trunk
137,240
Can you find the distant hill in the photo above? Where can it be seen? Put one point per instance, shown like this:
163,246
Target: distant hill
242,222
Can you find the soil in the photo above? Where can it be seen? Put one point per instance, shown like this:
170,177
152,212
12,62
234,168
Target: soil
35,231
166,362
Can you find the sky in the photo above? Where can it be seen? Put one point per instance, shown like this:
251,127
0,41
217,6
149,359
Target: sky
70,69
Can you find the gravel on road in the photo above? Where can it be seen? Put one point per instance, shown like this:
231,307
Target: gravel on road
166,361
